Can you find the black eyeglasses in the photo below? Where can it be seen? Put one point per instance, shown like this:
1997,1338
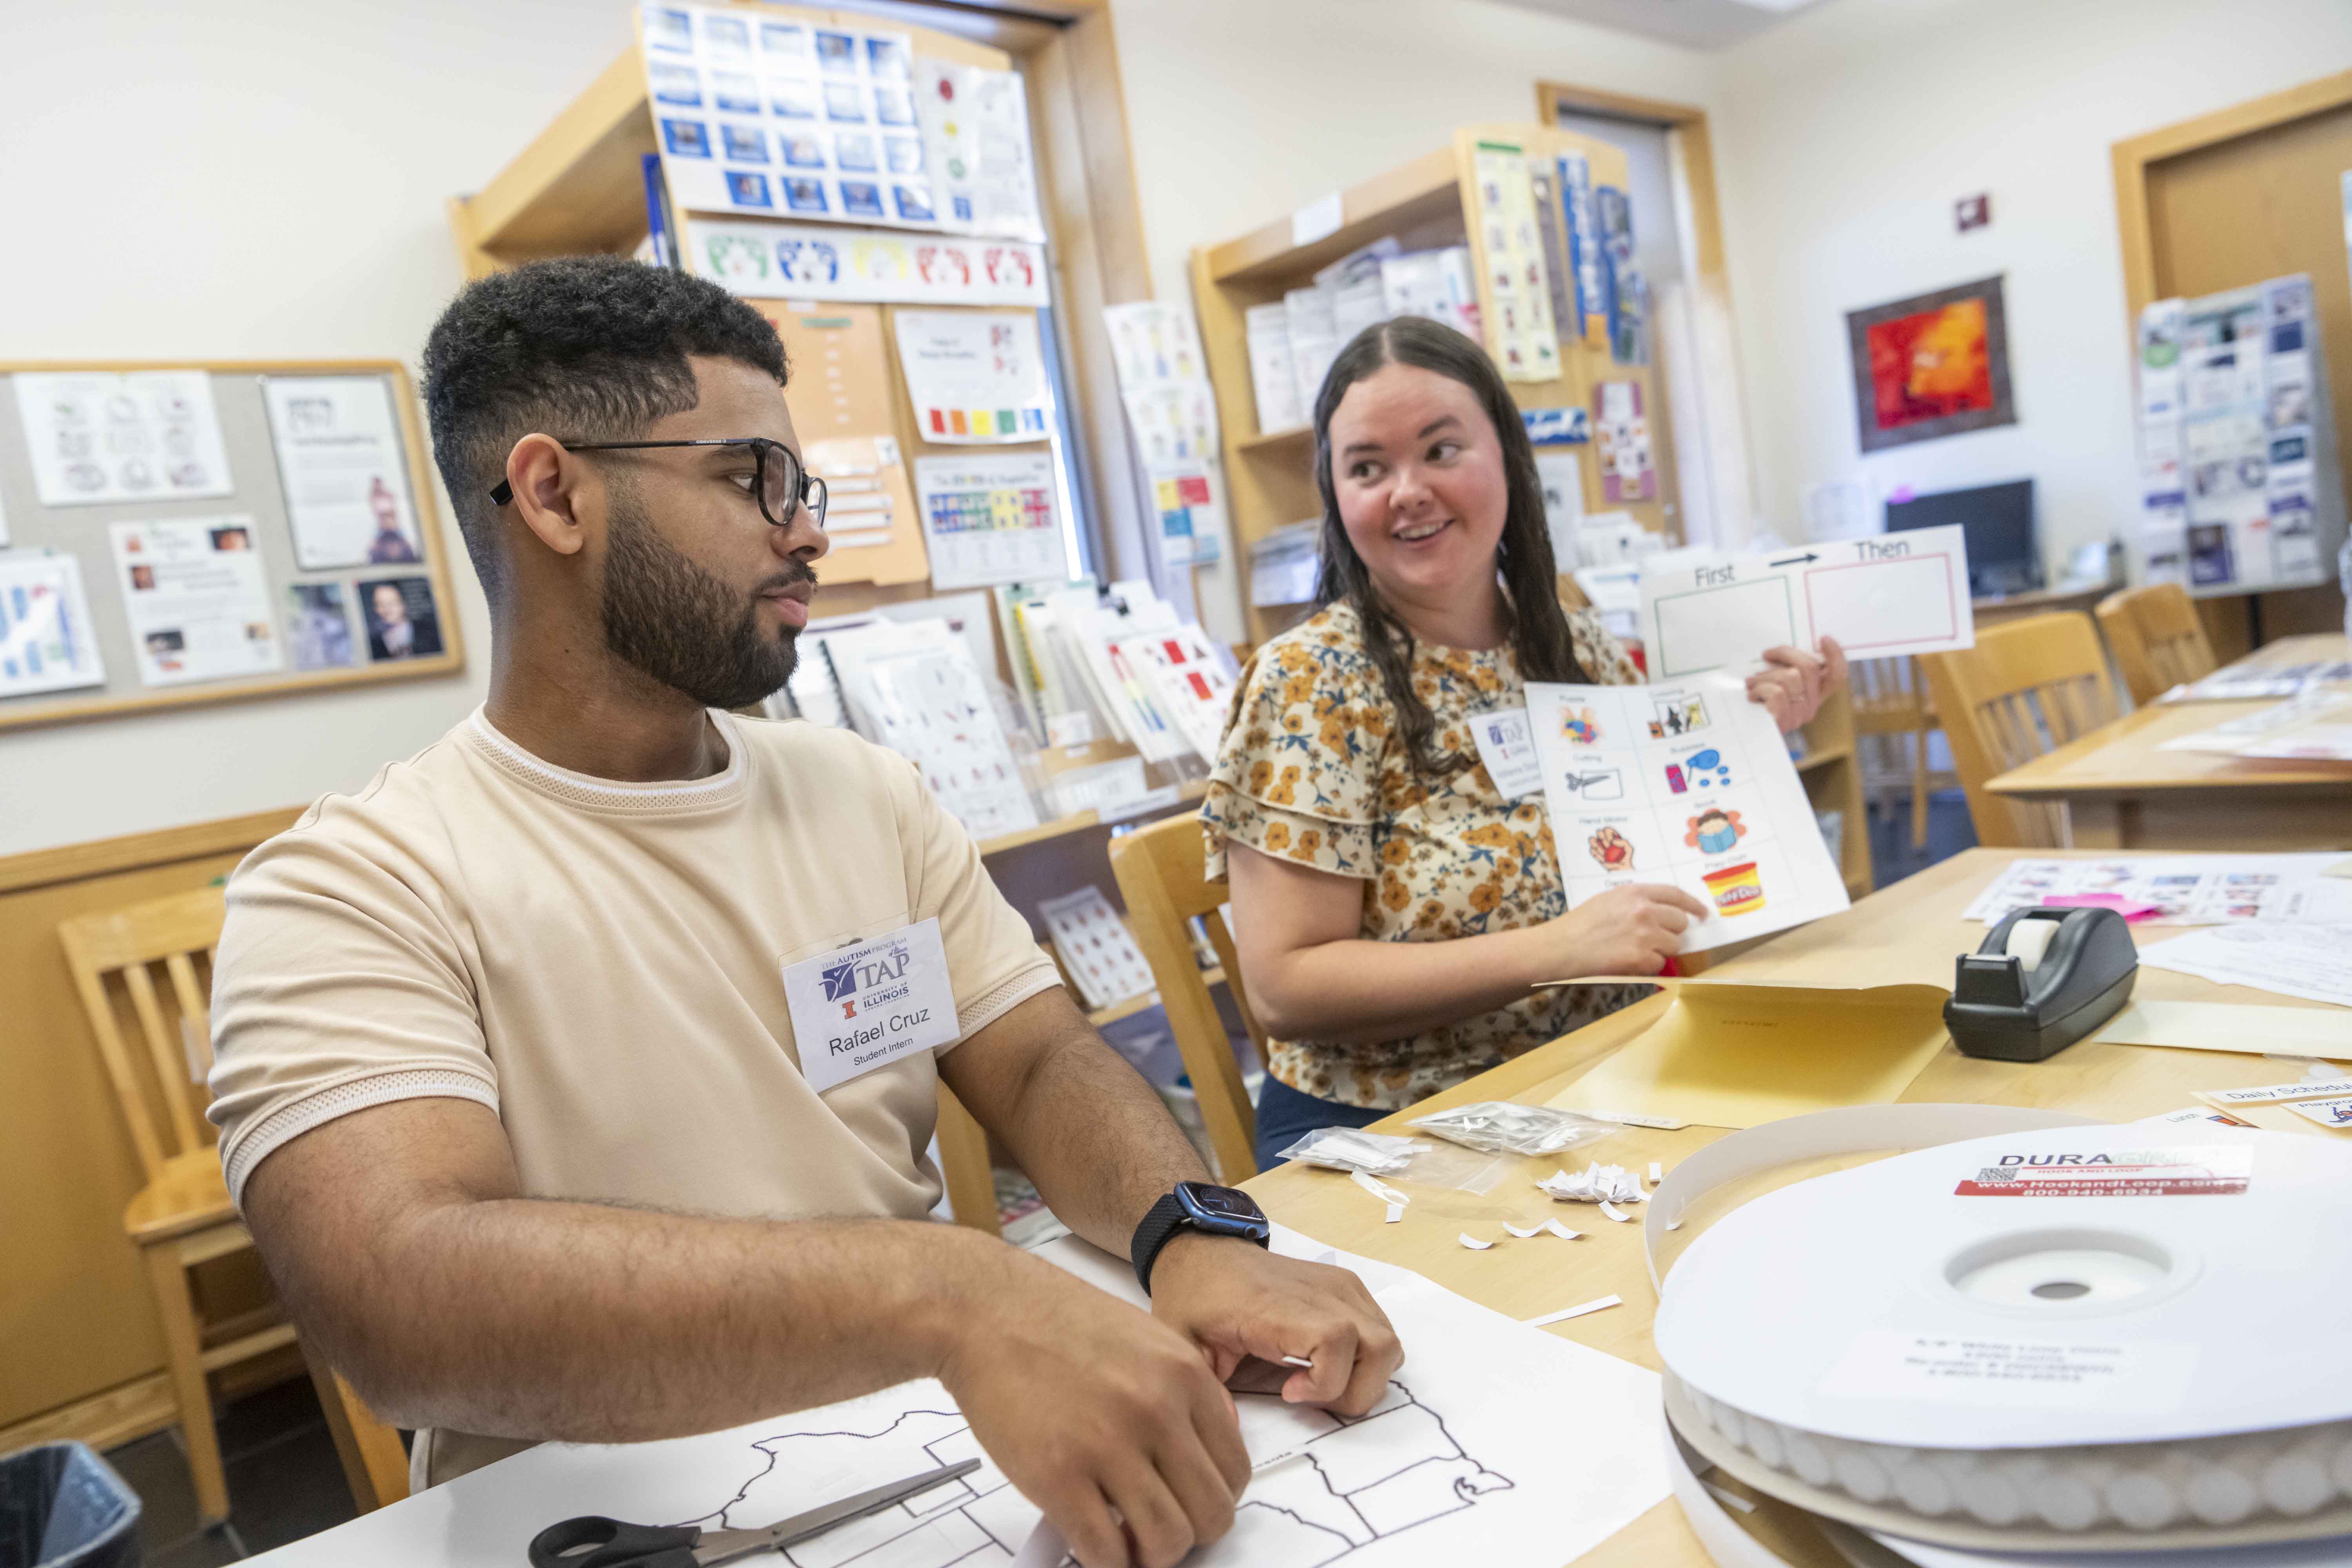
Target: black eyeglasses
783,483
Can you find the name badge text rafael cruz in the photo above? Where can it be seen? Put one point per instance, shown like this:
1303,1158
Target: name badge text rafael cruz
866,1004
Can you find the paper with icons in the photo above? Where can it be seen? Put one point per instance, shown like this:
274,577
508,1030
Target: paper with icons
1687,784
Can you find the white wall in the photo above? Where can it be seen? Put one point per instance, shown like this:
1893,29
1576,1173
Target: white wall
1240,110
1841,139
241,179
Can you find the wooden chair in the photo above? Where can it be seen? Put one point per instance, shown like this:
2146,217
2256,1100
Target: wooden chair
1161,875
965,1167
2158,640
2028,687
1890,697
182,1217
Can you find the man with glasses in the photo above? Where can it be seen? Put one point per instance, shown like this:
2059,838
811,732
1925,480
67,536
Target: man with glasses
575,1077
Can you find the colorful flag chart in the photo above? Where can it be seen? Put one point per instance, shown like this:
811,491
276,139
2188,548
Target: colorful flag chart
975,376
992,518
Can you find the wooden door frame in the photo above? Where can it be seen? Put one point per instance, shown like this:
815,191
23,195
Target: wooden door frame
2135,155
1690,152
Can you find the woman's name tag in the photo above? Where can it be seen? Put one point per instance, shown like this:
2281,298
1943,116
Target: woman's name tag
1506,744
866,1004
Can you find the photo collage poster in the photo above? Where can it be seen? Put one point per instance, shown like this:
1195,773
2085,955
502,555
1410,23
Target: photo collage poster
786,120
1687,784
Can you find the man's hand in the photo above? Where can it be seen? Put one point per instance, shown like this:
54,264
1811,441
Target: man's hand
1234,1299
1101,1415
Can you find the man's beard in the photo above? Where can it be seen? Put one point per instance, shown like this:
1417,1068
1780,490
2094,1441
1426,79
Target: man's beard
679,625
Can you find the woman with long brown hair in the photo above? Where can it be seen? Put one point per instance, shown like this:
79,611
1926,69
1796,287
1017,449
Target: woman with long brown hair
1393,908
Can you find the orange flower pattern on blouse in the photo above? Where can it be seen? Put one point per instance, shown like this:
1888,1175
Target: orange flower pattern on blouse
1312,769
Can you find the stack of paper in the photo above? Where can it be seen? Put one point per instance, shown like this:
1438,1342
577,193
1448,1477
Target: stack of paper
1190,680
1282,565
1274,373
1095,948
1438,284
1314,341
2241,682
2315,727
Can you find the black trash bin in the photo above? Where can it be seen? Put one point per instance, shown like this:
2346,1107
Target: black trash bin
61,1506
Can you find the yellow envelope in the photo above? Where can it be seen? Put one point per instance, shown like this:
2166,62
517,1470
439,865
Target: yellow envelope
1734,1053
2233,1026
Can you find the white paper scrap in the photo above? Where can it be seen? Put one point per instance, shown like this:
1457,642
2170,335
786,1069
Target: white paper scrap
1473,1242
1523,1235
1595,1184
1728,1497
1567,1313
1561,1231
1378,1188
1631,1119
1614,1212
1657,1171
1396,1212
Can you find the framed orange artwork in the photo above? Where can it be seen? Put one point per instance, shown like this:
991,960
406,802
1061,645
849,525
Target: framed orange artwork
1934,365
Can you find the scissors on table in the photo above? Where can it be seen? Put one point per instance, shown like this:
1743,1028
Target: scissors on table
592,1540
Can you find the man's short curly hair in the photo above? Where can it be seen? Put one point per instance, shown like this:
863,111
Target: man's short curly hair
589,348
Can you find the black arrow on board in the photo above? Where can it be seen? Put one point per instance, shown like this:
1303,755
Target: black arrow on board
1792,560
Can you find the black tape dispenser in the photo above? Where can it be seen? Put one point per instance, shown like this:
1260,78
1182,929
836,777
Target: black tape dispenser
2042,980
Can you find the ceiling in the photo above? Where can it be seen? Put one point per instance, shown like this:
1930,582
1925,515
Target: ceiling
1695,24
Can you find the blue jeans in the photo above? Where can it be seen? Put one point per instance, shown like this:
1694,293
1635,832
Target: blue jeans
1284,1115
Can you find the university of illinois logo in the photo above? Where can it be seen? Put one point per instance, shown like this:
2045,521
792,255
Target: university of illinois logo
840,984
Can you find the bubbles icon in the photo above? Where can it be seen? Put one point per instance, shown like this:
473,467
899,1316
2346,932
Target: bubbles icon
1706,769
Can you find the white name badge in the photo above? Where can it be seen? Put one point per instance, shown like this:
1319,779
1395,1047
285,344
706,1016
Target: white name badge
867,1005
1506,744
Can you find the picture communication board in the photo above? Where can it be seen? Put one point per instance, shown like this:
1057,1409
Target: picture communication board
1882,596
187,532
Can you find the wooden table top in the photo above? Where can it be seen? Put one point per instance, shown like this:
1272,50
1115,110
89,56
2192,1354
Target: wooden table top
1911,931
2124,757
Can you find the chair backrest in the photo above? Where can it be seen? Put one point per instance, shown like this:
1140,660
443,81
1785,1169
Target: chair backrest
2028,687
2159,641
1161,871
114,952
1889,697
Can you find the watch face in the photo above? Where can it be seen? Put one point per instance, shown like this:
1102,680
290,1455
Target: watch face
1225,1202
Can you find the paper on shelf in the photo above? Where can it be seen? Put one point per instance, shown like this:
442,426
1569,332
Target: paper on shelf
1734,1054
1880,597
1096,947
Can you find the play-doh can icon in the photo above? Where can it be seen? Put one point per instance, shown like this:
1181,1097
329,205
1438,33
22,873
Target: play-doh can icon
1736,890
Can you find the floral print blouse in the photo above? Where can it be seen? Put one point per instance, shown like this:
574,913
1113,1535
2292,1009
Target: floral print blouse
1313,769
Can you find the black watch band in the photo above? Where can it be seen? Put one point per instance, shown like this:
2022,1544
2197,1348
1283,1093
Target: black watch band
1197,1206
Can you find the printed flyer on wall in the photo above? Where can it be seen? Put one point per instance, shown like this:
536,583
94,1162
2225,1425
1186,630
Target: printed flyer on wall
786,118
45,641
1687,784
197,599
345,471
96,436
878,266
992,518
975,377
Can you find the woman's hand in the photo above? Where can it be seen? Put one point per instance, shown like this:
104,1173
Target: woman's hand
1632,930
1794,688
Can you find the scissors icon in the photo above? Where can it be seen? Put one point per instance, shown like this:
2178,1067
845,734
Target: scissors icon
592,1540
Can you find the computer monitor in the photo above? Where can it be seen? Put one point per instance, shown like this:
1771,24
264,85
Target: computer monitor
1997,522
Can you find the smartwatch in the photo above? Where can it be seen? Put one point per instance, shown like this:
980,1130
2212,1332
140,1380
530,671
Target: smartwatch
1219,1210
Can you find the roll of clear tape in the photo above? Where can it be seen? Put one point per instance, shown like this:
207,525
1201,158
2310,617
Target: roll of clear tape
2029,940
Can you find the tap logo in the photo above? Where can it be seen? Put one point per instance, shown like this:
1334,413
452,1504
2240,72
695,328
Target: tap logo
840,981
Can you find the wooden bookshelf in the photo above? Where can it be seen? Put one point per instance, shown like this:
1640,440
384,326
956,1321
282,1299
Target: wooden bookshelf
1428,202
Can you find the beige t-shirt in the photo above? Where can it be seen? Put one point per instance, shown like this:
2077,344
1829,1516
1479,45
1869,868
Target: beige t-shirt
601,963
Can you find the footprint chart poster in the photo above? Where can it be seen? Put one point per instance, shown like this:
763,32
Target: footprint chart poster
1687,784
